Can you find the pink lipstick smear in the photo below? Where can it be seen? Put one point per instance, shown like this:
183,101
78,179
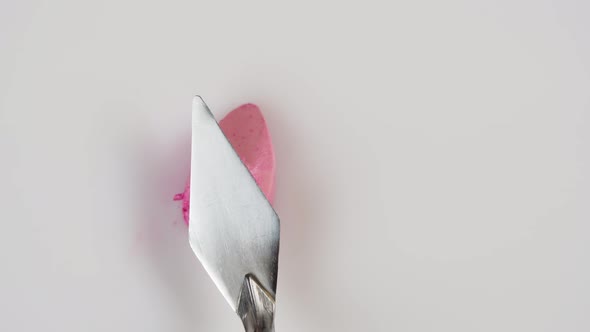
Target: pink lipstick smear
246,130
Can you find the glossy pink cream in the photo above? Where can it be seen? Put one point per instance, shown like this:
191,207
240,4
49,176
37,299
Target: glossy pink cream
246,130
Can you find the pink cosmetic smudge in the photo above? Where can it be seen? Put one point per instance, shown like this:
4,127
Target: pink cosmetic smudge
246,130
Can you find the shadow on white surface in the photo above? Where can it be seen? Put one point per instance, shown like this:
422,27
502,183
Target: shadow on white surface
160,167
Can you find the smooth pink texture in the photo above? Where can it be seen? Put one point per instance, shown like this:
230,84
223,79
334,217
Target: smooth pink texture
245,128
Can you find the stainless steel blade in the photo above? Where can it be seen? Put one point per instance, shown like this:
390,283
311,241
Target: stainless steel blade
233,229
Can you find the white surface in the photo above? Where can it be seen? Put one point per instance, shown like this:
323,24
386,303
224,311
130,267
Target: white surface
433,161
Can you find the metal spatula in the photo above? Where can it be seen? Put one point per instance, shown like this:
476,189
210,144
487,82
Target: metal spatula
233,229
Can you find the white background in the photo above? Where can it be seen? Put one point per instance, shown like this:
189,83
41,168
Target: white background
433,161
